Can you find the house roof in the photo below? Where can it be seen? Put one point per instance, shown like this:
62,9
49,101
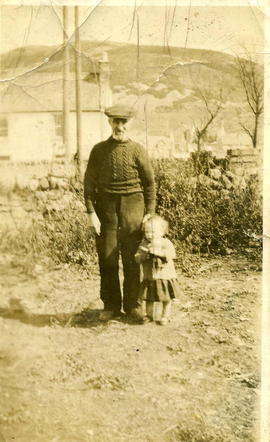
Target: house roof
43,92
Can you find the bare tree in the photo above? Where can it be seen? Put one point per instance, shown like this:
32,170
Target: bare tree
212,106
251,78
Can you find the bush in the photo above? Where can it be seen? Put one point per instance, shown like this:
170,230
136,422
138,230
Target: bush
63,236
203,218
206,219
69,239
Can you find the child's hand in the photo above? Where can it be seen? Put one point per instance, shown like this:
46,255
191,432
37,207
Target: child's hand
145,251
156,251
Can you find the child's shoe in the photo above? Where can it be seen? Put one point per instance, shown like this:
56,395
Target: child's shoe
163,321
147,319
165,314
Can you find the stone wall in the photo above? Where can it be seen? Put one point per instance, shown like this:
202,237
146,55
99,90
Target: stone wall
20,210
246,161
34,176
28,191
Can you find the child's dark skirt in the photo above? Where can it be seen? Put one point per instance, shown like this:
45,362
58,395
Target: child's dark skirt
159,290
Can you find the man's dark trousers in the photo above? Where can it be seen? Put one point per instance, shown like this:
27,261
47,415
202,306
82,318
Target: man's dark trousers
121,218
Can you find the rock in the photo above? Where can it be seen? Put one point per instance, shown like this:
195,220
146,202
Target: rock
78,206
7,183
52,206
15,199
212,332
237,171
220,336
216,184
229,175
243,184
41,196
5,205
60,204
22,182
235,152
38,269
225,192
204,180
226,182
192,182
215,173
77,186
67,199
4,201
53,195
62,183
53,182
239,182
28,206
253,171
44,183
19,212
33,184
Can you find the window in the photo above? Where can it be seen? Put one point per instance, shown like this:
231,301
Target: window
58,124
3,127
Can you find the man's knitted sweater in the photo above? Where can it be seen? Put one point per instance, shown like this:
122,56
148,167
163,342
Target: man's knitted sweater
119,167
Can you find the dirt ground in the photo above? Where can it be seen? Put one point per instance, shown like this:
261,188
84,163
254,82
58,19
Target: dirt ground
66,377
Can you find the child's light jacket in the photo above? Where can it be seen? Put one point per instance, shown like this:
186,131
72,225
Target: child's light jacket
151,271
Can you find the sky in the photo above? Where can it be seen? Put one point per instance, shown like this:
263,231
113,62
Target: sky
177,23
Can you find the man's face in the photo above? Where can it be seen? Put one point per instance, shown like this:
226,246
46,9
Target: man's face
119,128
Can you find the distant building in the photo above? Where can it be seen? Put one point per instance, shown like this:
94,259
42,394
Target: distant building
156,146
231,139
31,119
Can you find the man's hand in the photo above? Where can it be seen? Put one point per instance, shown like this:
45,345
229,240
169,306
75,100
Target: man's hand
146,217
94,223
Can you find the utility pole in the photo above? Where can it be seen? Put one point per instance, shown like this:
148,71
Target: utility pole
146,124
78,92
138,50
66,140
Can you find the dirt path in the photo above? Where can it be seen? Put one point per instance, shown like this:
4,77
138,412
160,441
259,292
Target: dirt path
65,377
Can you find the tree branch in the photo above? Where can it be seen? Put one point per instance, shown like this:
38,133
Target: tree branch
251,80
246,130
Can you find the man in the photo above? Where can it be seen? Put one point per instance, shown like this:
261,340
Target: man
119,193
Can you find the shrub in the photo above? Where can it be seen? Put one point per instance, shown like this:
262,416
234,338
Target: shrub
63,236
203,218
69,239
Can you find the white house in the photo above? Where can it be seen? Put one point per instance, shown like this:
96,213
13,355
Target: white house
31,120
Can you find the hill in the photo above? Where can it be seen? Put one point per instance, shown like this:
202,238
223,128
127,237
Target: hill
128,64
169,81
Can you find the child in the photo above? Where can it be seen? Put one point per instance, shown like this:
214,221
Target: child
156,255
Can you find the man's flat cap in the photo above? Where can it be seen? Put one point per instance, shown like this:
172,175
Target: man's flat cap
119,111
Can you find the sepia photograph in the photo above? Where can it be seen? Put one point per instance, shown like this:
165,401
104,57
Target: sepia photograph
134,221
